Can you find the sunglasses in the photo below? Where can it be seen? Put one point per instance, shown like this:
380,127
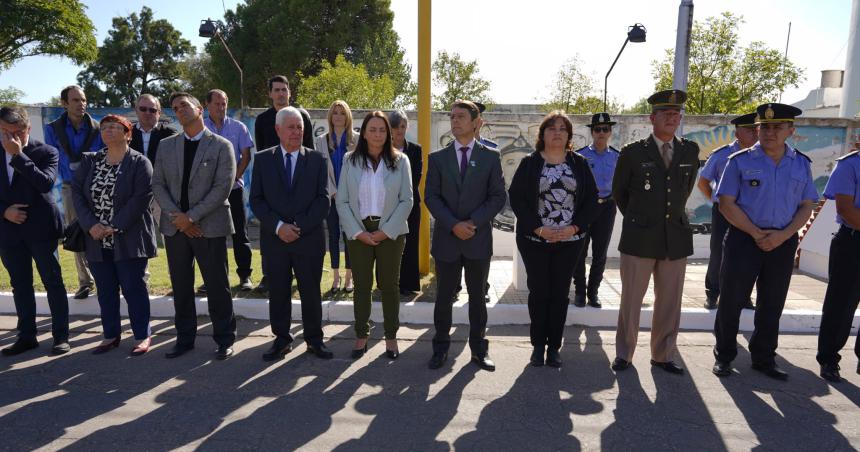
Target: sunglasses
147,109
601,129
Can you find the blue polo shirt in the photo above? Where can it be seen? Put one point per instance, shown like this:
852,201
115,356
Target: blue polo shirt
845,180
769,194
716,163
237,134
602,166
77,137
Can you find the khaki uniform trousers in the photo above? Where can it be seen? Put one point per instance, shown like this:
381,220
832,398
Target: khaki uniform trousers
668,287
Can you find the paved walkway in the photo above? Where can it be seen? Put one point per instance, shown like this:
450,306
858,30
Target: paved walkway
84,402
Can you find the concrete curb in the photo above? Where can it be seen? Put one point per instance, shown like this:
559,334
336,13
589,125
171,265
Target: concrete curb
794,321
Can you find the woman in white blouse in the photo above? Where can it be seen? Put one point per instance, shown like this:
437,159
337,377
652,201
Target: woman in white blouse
374,198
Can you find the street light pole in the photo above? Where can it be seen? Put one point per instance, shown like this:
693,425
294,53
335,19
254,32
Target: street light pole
635,33
210,29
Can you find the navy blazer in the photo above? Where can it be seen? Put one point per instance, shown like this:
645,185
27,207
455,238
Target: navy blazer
35,172
159,132
132,218
306,205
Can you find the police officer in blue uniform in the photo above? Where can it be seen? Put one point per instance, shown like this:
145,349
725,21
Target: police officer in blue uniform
709,179
602,159
766,194
843,288
486,142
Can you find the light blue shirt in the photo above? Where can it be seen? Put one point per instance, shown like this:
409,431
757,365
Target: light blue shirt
237,134
845,180
602,166
716,163
769,194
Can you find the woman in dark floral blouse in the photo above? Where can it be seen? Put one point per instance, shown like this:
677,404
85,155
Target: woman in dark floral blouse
112,191
554,197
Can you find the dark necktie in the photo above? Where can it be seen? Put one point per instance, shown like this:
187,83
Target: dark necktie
667,154
463,162
288,167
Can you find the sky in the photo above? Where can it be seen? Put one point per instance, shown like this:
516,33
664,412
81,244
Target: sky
519,46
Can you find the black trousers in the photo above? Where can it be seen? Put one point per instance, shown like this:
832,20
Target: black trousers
210,254
283,265
599,234
549,267
719,226
18,260
447,279
842,296
241,244
410,279
743,263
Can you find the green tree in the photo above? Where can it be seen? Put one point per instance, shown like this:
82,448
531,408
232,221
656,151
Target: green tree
10,96
725,77
457,79
574,92
40,27
348,82
195,74
140,55
296,36
641,107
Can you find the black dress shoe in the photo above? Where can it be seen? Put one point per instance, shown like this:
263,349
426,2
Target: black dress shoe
320,351
537,357
83,293
245,284
358,352
223,352
484,362
722,368
179,350
771,370
579,301
710,302
668,366
553,358
277,351
60,347
20,346
594,302
749,304
106,347
437,360
830,372
620,364
392,354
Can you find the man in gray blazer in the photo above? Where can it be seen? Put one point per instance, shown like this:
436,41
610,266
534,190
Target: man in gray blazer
464,191
193,175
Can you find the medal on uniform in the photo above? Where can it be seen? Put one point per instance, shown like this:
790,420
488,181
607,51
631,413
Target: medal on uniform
647,185
754,182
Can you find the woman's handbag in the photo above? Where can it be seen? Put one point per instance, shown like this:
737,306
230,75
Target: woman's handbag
73,238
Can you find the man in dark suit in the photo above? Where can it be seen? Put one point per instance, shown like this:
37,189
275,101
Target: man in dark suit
30,228
652,181
146,135
289,195
266,137
194,172
464,191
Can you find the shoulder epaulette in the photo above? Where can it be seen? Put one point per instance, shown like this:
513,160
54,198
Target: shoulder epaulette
579,151
850,154
725,146
803,155
742,151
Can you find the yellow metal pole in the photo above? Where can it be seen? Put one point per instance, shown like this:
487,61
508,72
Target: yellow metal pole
424,126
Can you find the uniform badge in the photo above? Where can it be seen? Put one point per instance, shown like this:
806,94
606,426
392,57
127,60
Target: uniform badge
755,183
672,98
647,185
768,114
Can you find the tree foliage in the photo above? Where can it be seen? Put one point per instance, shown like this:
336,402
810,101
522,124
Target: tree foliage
297,36
140,55
573,91
725,77
39,27
348,82
195,74
10,96
457,79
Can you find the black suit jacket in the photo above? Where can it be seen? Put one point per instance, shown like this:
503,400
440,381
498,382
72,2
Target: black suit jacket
306,205
264,129
35,171
159,132
416,162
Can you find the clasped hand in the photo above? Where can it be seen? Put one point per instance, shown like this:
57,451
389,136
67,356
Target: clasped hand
554,234
289,233
371,238
16,213
769,240
100,231
465,230
185,226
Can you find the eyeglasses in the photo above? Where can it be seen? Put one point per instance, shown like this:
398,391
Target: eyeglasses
147,109
601,129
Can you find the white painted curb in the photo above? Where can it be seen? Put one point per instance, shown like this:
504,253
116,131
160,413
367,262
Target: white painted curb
794,321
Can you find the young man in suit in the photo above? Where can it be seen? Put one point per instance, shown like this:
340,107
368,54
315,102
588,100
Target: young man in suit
194,172
289,195
464,191
146,135
30,228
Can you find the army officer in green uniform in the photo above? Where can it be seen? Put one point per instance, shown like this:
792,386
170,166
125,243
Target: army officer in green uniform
653,179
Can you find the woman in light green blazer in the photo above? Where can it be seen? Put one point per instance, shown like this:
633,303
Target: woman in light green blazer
374,198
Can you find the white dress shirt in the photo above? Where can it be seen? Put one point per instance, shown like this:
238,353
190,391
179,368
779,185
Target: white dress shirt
371,191
145,136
